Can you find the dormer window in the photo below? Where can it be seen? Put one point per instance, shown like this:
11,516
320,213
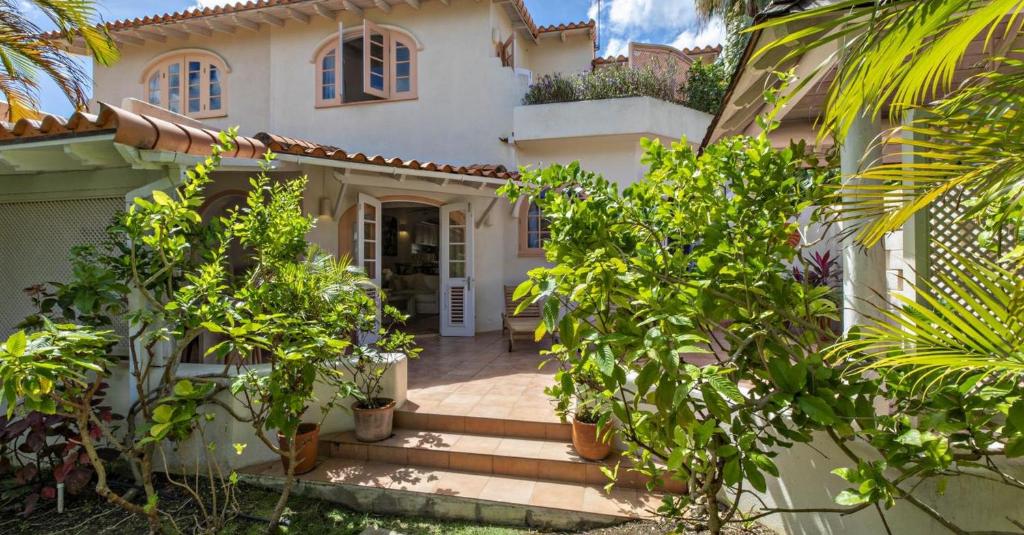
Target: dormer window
378,63
188,82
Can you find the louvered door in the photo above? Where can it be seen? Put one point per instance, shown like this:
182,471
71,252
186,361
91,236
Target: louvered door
457,296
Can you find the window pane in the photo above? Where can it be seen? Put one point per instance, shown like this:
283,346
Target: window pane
174,87
214,88
457,235
533,240
154,89
402,85
457,218
194,84
402,69
533,224
370,212
377,61
328,61
457,269
457,252
401,52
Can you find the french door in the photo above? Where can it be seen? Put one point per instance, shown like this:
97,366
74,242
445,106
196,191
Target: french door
456,259
368,237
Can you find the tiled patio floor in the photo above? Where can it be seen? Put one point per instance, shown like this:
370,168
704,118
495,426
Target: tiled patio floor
478,377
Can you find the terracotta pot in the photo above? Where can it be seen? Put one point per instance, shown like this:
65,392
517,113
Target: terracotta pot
584,439
374,425
307,445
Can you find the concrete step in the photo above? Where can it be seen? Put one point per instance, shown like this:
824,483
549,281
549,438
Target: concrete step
388,488
406,418
553,460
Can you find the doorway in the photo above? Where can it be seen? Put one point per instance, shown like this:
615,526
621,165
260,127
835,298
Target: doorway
436,285
410,256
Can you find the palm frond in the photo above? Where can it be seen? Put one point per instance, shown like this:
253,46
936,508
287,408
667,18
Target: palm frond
899,53
26,54
967,323
971,143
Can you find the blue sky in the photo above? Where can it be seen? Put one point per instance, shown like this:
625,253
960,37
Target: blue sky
652,21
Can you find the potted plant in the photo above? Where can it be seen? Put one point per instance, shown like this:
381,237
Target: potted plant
578,394
590,439
378,347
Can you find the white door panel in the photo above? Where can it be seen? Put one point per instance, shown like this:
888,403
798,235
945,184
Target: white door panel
457,293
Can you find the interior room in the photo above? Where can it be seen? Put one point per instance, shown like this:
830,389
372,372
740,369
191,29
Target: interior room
410,241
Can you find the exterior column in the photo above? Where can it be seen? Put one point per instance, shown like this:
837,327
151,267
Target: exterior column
864,270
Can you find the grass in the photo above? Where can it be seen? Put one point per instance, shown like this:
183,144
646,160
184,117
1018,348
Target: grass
315,517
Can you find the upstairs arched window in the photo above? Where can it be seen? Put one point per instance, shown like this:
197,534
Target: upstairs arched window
377,63
189,82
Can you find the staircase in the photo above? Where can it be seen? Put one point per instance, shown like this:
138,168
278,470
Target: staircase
490,470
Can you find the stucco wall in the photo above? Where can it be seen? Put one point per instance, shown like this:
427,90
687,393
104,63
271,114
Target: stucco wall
465,96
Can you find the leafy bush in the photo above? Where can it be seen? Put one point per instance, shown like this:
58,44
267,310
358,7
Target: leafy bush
605,83
703,90
705,86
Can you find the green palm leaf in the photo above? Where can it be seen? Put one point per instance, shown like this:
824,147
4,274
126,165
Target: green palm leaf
967,323
26,53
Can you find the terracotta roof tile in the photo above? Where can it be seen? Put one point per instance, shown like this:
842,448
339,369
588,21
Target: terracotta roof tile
240,7
282,144
152,133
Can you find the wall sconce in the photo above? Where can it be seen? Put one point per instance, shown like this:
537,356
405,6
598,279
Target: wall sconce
325,213
402,229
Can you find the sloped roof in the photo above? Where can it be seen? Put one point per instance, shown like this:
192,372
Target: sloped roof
152,133
317,7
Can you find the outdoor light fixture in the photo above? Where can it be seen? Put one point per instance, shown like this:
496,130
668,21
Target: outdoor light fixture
325,213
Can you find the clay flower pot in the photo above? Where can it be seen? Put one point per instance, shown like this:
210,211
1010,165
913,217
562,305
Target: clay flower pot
307,444
374,424
584,439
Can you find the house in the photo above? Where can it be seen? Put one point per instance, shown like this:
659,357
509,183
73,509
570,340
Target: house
406,116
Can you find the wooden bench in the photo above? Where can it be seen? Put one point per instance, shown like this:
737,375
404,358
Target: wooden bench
518,325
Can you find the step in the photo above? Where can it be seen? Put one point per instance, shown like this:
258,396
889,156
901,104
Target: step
554,460
406,418
387,488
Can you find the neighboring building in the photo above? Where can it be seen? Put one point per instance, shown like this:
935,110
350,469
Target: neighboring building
330,84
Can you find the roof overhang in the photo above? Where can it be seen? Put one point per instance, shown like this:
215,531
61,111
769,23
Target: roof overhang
254,15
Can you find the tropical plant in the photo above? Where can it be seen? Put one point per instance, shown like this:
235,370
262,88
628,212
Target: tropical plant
728,9
669,295
26,51
965,140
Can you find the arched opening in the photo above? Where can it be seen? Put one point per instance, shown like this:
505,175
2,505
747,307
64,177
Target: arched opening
409,257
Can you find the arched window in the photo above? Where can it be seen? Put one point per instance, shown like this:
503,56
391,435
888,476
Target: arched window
189,82
378,63
534,231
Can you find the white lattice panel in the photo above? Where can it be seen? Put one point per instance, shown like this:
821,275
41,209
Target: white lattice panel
959,237
35,241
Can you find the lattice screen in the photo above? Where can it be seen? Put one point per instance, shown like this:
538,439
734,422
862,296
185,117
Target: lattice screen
35,240
959,237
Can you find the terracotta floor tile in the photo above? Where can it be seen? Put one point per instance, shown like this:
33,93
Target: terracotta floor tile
519,447
484,445
471,462
508,490
485,426
511,466
619,501
562,471
414,479
558,451
458,484
429,458
558,495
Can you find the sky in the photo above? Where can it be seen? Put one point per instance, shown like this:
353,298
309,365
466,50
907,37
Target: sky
672,22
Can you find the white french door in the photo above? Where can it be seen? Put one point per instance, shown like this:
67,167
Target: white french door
457,294
368,238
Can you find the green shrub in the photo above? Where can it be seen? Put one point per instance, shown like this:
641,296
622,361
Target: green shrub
609,82
703,90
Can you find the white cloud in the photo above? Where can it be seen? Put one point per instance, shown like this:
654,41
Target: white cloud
712,34
200,4
625,15
616,47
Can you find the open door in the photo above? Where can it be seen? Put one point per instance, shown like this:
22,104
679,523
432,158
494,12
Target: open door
368,239
457,296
